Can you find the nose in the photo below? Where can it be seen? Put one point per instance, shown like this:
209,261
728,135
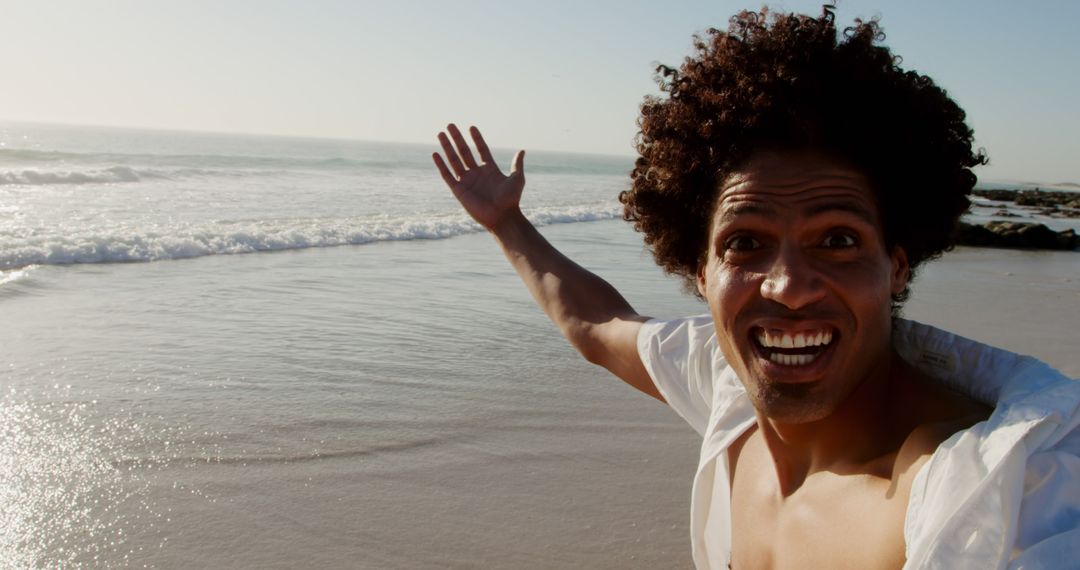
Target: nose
792,280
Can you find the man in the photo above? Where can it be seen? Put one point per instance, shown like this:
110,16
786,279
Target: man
795,182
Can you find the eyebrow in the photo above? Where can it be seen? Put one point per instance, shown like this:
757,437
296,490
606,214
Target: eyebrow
731,213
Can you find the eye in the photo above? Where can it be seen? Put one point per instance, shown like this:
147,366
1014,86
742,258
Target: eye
839,240
741,242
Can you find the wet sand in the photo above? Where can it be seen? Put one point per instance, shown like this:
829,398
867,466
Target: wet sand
316,409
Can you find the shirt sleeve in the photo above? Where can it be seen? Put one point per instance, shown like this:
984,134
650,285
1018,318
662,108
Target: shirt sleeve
681,358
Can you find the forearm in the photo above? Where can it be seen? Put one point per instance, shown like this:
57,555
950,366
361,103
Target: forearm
592,315
588,310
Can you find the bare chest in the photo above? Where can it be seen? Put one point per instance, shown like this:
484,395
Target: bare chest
833,521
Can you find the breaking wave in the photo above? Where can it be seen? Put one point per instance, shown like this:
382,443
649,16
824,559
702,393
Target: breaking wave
30,177
12,275
234,237
113,175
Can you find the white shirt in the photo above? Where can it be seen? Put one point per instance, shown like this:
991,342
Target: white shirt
1004,493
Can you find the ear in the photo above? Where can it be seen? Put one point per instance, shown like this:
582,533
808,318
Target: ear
901,271
701,280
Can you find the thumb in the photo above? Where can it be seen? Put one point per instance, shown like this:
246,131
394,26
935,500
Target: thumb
519,163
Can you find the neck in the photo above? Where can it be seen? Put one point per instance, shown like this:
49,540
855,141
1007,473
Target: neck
858,431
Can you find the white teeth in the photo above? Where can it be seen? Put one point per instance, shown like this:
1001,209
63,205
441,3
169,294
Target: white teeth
793,340
798,340
792,359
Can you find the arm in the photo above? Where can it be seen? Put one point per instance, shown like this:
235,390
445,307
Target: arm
591,314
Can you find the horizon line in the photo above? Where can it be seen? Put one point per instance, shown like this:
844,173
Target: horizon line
1011,181
144,128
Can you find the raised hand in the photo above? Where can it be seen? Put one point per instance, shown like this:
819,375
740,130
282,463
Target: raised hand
595,318
484,191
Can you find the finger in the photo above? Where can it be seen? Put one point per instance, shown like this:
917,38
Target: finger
447,176
462,146
519,163
481,146
451,155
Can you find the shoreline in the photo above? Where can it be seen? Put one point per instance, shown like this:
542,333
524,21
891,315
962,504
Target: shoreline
404,405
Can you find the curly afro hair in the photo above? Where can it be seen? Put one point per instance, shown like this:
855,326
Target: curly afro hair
791,82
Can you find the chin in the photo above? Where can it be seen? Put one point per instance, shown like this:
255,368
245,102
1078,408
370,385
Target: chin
791,403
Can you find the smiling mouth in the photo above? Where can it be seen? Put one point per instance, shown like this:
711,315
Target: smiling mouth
785,348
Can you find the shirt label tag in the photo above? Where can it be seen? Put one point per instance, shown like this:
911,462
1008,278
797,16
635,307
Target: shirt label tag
938,360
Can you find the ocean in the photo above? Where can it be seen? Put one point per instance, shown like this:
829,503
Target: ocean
226,351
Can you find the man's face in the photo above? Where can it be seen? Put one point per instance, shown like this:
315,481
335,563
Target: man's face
799,283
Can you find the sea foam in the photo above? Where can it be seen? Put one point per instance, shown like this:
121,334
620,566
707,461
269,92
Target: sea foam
233,237
31,177
112,175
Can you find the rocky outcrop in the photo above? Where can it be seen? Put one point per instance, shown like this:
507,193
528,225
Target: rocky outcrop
1051,203
1016,235
998,195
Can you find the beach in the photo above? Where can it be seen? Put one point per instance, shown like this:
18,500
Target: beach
277,353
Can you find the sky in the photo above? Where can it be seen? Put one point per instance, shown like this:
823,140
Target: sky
541,75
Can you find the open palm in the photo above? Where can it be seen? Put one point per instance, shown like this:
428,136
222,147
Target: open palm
484,191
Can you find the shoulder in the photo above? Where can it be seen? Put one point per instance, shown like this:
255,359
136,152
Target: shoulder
931,414
927,437
683,358
677,335
681,351
917,449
